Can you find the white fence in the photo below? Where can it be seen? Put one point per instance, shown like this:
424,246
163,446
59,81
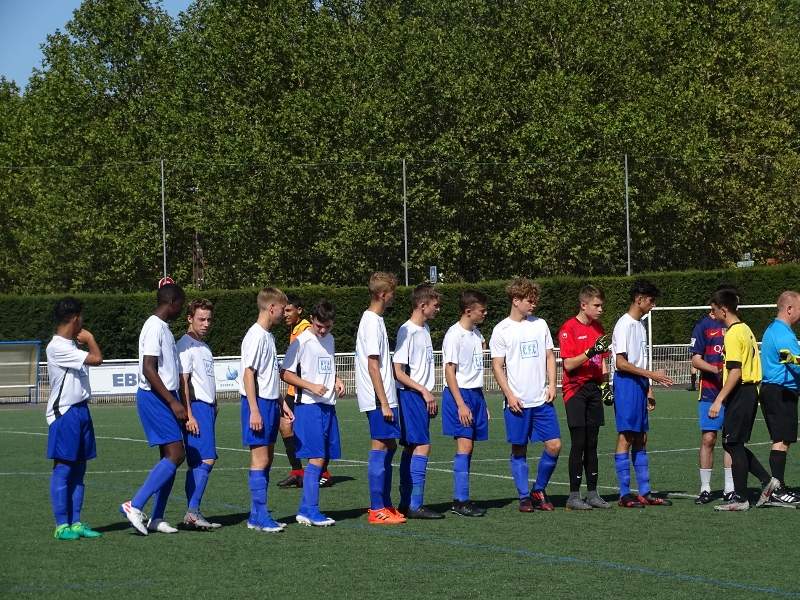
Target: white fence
115,382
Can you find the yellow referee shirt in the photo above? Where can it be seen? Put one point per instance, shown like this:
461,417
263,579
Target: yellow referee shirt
296,330
741,351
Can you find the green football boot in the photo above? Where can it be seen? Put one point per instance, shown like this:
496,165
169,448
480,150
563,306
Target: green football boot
84,530
64,532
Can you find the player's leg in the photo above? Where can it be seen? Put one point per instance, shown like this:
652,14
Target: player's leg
201,454
262,449
295,477
464,437
545,429
60,501
576,409
175,453
77,487
622,464
591,466
708,439
314,425
518,430
416,439
779,405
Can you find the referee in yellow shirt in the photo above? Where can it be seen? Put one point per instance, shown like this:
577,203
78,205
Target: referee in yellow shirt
740,379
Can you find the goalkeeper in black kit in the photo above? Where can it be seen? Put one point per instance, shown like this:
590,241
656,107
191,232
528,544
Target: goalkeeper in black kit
584,348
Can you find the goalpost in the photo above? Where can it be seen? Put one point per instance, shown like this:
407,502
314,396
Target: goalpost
675,358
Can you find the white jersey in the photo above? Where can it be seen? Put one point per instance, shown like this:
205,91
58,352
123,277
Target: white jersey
630,338
196,360
157,340
464,348
414,348
372,340
259,354
69,376
524,345
312,359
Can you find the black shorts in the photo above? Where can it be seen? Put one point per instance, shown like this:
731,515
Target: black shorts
740,414
779,407
585,408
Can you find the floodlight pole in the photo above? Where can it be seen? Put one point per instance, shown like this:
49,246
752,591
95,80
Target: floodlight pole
627,217
163,221
405,222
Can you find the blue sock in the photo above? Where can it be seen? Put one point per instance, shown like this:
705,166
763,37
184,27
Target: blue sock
419,465
623,465
461,477
519,473
376,468
641,466
257,482
547,464
59,496
387,478
76,489
405,479
199,479
161,497
161,473
309,503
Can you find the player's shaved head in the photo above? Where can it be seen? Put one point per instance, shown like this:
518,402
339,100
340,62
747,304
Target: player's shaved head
787,300
169,294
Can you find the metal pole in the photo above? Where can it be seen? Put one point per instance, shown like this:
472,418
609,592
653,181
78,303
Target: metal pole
405,222
163,221
627,217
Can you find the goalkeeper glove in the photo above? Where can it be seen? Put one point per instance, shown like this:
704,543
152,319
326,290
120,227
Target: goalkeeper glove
601,346
607,394
787,357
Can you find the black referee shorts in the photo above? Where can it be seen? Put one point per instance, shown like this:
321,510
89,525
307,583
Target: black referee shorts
740,414
779,407
585,408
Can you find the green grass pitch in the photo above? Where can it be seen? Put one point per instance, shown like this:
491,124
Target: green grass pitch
683,551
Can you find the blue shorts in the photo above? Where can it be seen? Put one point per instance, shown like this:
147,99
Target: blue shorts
380,428
414,419
71,436
204,446
535,424
158,421
451,426
316,431
630,402
706,422
270,415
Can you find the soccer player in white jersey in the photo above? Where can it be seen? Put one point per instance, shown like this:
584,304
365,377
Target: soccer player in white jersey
524,367
633,397
70,435
377,398
199,394
161,412
464,414
415,375
262,406
310,366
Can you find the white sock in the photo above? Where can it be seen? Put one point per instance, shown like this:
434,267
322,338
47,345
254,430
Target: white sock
705,480
728,480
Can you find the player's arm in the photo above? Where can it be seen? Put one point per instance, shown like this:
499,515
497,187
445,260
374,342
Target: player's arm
498,368
95,356
339,387
551,375
374,370
292,379
702,365
659,375
464,412
249,381
186,397
601,346
404,378
733,379
150,371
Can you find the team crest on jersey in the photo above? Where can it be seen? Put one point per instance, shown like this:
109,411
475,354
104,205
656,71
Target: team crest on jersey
209,365
477,360
429,353
325,365
529,349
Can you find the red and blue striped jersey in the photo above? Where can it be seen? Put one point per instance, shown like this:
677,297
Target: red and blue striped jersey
708,337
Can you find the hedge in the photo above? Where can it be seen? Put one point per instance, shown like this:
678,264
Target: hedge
116,319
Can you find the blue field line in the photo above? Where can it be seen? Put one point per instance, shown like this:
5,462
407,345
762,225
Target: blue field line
584,562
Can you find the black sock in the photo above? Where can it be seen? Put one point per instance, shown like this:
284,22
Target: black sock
739,468
288,442
590,462
777,464
575,466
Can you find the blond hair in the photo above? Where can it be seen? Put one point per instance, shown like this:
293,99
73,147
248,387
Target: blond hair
522,288
270,295
382,282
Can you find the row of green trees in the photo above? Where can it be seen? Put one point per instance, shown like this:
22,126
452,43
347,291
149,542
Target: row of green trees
283,126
